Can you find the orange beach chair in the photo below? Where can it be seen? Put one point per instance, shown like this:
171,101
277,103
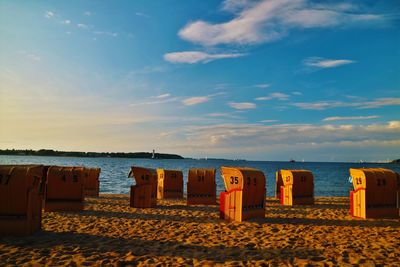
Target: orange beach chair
144,193
201,187
245,193
375,193
278,184
170,184
298,187
91,182
64,189
21,193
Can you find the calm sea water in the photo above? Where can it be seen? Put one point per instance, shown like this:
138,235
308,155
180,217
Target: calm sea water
331,179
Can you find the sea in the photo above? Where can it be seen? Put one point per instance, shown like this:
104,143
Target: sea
330,178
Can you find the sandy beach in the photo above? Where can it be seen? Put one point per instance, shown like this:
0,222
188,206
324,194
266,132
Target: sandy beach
109,232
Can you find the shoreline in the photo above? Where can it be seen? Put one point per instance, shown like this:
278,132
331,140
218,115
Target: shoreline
108,231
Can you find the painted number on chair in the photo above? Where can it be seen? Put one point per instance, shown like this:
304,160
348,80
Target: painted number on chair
234,180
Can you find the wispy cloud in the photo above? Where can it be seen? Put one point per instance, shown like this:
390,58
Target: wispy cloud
264,21
224,115
49,14
162,96
154,100
140,14
87,13
297,93
111,34
268,121
318,62
279,96
230,137
242,105
192,57
82,26
366,104
195,100
338,118
262,85
30,56
67,21
200,99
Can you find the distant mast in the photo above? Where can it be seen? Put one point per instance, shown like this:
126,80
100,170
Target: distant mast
152,156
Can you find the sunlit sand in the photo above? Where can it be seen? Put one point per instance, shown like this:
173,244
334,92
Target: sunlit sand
108,231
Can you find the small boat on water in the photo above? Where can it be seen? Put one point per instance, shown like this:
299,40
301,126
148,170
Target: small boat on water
292,160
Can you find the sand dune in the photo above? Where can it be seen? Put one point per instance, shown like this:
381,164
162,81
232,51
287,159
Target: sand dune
109,232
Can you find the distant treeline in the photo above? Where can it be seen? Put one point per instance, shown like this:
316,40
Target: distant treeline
50,152
396,161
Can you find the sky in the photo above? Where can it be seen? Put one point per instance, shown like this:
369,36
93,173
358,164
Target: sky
236,79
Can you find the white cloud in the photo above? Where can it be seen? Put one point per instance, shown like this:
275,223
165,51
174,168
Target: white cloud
360,104
83,26
259,136
242,105
162,96
155,102
111,34
279,96
268,20
224,115
87,13
30,56
338,118
67,21
234,5
262,85
326,63
140,14
297,93
268,121
195,100
192,57
49,14
380,102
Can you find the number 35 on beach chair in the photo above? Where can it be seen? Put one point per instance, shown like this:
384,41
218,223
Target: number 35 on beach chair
201,187
244,197
170,184
297,188
144,193
375,193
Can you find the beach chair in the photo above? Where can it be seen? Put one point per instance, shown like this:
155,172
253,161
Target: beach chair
144,193
245,193
170,184
278,184
201,187
91,182
21,193
375,193
298,187
64,189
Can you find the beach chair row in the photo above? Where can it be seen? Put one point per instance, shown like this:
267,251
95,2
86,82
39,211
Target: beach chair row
27,189
376,194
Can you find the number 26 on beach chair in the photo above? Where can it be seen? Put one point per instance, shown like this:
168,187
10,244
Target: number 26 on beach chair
201,187
170,184
297,188
245,193
375,193
144,193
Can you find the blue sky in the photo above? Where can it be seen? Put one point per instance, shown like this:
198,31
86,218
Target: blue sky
264,80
